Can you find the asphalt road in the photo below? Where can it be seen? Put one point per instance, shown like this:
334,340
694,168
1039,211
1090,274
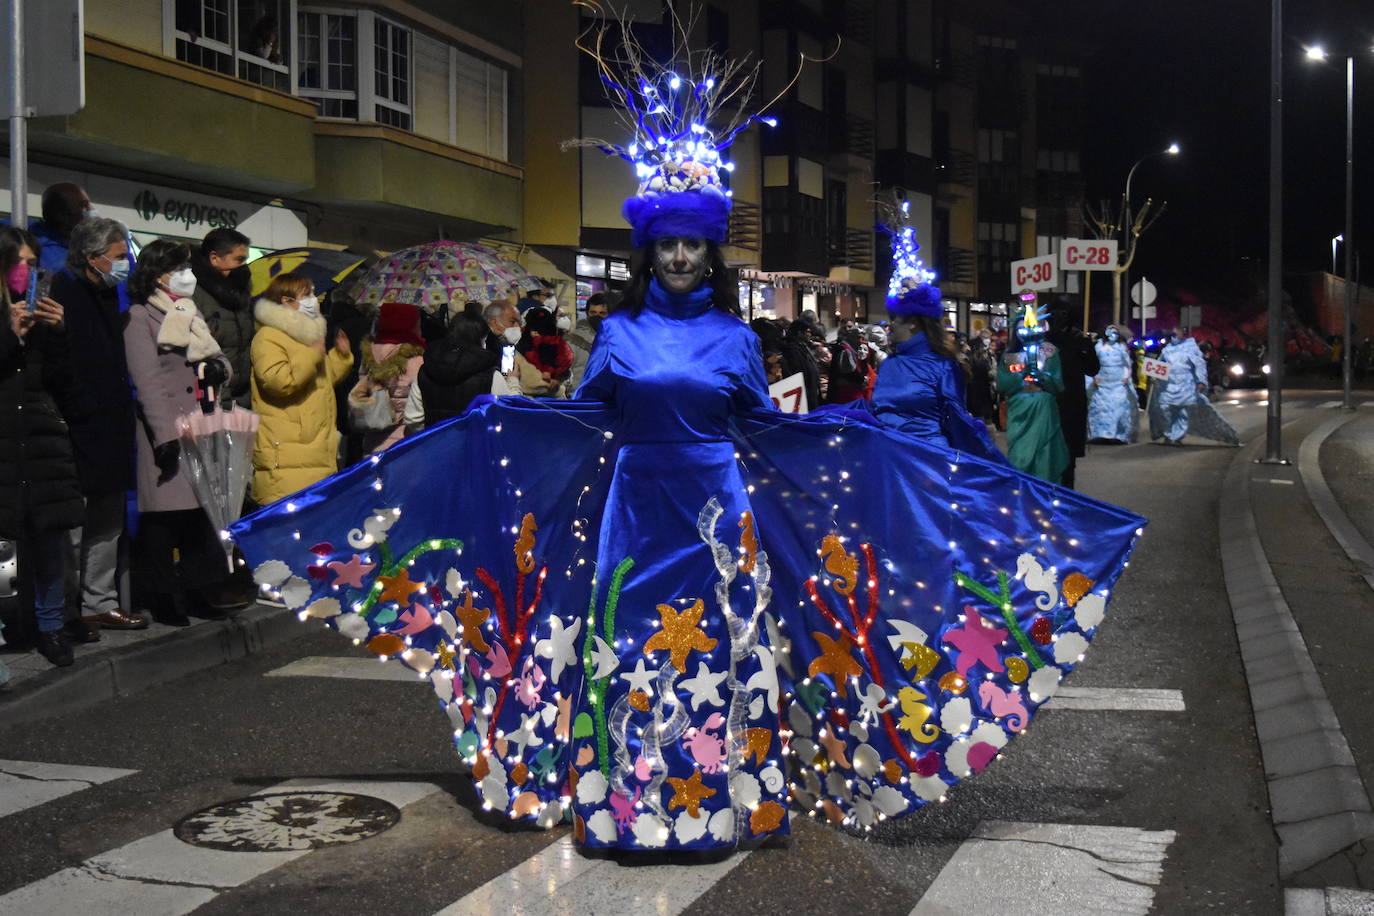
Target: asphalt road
1187,782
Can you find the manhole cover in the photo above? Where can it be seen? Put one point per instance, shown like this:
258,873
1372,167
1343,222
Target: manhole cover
288,821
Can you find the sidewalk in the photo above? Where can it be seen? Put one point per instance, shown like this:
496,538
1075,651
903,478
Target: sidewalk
128,661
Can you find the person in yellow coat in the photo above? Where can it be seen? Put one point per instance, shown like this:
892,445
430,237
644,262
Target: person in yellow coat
293,390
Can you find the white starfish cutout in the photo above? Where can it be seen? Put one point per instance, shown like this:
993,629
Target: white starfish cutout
906,632
705,687
641,678
605,659
875,701
524,735
559,645
766,678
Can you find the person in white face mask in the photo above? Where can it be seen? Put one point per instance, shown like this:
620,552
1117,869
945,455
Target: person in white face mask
175,364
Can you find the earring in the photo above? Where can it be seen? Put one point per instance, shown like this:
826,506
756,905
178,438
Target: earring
710,272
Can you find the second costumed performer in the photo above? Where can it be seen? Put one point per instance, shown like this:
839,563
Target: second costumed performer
684,614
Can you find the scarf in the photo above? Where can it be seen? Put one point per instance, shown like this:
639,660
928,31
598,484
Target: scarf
300,328
678,305
183,328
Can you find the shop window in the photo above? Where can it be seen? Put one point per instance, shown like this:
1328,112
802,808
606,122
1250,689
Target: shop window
327,56
391,74
243,38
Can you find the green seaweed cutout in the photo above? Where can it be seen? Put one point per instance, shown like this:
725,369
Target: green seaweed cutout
429,545
597,689
1002,602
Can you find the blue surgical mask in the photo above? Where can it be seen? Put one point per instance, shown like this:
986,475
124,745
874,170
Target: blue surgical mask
117,274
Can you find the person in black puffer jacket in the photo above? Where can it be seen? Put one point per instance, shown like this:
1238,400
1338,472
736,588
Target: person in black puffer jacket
457,369
224,297
40,497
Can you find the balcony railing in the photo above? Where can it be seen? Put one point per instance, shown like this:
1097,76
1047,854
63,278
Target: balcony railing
955,265
958,68
956,166
853,249
746,222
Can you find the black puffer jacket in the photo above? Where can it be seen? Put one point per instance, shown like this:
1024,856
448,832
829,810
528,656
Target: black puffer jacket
38,483
226,304
452,375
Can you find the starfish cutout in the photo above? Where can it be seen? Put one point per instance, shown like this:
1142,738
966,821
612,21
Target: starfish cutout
398,588
835,660
977,641
688,793
766,678
641,678
473,618
524,736
604,658
680,634
352,572
705,687
446,656
559,645
834,749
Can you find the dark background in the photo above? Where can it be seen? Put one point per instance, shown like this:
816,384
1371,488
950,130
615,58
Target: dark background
1197,72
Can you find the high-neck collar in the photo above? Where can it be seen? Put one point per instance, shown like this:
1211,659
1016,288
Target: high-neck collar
678,305
914,344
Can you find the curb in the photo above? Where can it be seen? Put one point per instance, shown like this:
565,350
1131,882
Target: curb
1318,804
1337,522
146,664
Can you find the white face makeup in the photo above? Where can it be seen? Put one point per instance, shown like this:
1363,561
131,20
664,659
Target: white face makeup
680,264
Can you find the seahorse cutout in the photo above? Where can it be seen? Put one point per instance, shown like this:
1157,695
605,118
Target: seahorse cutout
842,565
748,542
916,715
1039,579
1003,703
524,544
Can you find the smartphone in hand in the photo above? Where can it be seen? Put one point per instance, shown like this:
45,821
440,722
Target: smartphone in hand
31,294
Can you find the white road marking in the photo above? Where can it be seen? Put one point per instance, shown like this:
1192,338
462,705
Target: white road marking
26,784
161,876
1327,405
1275,480
365,669
1146,699
1006,867
559,880
1367,404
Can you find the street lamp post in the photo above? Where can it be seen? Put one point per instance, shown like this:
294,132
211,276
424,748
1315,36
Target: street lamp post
1273,433
1319,53
1127,241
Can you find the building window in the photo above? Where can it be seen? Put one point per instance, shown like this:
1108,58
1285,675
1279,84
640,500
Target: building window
327,62
480,91
243,38
391,74
998,244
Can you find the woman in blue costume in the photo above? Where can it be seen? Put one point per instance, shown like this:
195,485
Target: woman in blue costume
920,389
1030,379
1113,412
683,605
1179,405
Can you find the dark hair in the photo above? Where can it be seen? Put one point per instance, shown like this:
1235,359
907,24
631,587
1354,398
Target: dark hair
537,321
467,330
158,257
11,240
598,299
61,208
724,293
938,338
222,241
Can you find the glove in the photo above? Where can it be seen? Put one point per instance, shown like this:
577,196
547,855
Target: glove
211,373
166,456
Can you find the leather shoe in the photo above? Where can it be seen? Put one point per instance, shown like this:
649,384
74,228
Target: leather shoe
118,620
81,631
54,648
229,596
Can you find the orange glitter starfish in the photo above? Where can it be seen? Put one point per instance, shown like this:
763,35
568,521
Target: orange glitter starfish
680,634
688,793
472,619
398,588
835,660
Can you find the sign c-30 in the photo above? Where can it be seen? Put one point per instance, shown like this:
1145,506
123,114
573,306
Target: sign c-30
188,213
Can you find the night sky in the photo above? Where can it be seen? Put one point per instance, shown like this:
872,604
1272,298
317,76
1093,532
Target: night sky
1197,72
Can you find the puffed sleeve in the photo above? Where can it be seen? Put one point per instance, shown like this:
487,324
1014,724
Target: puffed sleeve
598,380
961,430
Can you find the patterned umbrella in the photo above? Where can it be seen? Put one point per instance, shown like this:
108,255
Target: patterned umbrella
439,274
324,266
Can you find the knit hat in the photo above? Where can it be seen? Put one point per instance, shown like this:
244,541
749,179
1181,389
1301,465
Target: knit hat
398,323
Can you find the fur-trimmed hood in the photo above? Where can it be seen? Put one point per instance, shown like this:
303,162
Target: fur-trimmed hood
290,322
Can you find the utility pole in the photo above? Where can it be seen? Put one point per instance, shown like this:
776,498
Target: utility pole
19,124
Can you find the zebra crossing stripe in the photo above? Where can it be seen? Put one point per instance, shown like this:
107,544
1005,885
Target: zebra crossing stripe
1328,405
365,669
560,881
1126,699
160,875
26,784
1006,867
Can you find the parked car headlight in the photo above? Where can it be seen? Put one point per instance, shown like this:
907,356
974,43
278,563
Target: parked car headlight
1265,368
1237,369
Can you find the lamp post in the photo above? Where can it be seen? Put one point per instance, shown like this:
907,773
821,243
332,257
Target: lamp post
1128,241
1273,432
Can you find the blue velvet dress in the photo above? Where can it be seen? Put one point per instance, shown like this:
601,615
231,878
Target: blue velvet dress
1177,407
1113,410
921,393
663,606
